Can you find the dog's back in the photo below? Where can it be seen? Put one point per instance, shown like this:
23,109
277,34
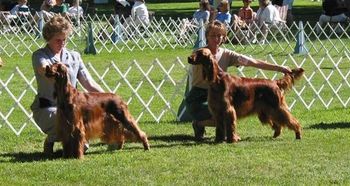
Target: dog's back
250,95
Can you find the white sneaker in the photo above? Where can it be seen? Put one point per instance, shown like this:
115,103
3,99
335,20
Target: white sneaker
86,147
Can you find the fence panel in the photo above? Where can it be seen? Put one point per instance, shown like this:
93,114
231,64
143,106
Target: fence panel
155,91
114,34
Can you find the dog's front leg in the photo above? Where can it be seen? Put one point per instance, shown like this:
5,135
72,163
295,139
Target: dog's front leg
220,128
78,138
230,122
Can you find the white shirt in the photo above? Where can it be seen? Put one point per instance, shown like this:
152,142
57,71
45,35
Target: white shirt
123,2
16,9
269,15
73,11
139,13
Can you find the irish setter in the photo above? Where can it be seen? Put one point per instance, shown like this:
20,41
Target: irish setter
83,116
231,97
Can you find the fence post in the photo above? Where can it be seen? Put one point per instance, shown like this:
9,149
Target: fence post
182,113
116,36
90,45
300,46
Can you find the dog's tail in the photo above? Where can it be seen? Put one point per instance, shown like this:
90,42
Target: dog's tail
288,80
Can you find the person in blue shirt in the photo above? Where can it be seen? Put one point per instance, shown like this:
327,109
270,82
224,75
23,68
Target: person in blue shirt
224,15
203,13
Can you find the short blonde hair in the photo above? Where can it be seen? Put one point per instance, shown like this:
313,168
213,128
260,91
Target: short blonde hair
224,5
56,25
218,28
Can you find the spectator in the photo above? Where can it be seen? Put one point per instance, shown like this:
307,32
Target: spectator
289,12
52,7
267,13
21,9
139,13
245,16
224,13
55,33
76,10
203,13
267,16
196,99
21,13
332,12
122,8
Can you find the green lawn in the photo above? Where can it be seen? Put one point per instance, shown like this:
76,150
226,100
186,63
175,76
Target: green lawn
320,158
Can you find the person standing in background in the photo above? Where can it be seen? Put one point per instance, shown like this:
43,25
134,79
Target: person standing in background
139,13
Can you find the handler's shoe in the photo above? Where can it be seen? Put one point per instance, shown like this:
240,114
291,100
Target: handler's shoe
86,147
198,131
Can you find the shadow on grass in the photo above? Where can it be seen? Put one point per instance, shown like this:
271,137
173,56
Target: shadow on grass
190,140
29,156
171,141
326,126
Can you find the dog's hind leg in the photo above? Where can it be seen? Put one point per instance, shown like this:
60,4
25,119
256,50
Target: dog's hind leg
284,117
266,118
130,121
113,133
120,111
277,128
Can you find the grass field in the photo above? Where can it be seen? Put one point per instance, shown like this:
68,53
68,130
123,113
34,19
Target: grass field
320,158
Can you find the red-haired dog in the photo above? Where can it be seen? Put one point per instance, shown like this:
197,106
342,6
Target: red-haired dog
231,97
83,116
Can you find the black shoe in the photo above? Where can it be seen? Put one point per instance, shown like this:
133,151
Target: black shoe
198,131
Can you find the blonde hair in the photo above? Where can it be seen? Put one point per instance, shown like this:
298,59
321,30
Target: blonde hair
224,6
57,24
216,27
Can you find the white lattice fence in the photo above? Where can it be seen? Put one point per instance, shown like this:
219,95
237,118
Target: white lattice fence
111,34
154,91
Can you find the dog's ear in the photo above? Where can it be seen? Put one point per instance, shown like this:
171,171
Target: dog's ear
210,69
192,59
48,72
60,67
61,70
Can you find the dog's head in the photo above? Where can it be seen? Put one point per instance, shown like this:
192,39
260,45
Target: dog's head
56,71
204,57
